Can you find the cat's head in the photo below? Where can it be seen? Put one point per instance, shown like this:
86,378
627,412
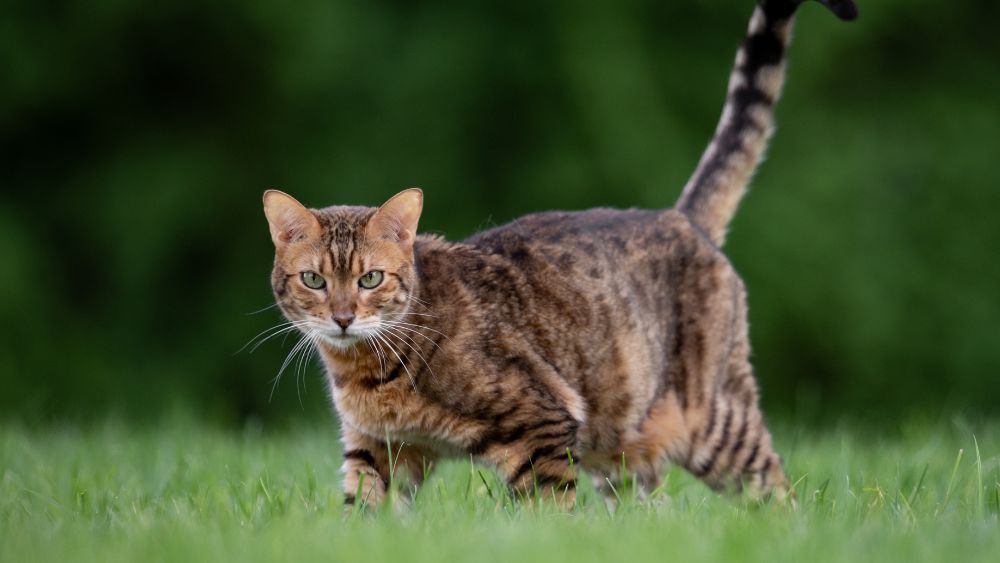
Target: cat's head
342,272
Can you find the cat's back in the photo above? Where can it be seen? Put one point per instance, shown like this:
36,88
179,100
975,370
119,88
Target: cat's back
601,242
630,267
566,270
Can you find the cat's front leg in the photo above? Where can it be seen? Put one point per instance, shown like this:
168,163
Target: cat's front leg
365,468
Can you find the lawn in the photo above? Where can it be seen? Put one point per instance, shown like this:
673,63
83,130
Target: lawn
186,492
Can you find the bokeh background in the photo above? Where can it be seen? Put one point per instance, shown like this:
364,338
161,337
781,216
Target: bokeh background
136,139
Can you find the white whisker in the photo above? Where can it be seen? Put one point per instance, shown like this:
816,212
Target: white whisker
383,361
419,301
413,331
285,331
271,306
414,325
378,354
412,346
408,313
288,360
280,327
379,336
302,364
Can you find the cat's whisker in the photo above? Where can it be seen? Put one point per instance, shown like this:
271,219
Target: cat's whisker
381,341
258,311
412,346
413,331
303,341
410,330
369,345
302,364
296,371
408,313
285,331
399,358
277,377
385,360
373,346
425,313
314,350
378,354
414,325
278,327
419,301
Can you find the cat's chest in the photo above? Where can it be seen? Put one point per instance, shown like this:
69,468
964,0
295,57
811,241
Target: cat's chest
398,412
378,411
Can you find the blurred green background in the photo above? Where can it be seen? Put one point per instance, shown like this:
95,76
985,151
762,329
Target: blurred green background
136,139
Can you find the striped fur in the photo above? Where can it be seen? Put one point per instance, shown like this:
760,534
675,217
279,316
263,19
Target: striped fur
713,192
558,343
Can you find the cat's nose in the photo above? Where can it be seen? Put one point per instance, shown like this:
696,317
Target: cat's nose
344,319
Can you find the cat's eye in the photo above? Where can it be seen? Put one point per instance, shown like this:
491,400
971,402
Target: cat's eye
313,280
370,280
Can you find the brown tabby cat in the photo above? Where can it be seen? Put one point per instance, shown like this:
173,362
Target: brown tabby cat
557,342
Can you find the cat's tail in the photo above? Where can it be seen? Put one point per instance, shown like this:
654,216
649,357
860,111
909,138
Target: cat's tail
717,185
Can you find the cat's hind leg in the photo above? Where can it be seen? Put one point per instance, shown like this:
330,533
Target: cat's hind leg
541,462
731,448
734,451
726,441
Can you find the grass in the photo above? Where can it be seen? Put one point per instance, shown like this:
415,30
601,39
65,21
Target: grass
184,492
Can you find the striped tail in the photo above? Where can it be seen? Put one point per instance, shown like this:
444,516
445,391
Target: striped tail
717,185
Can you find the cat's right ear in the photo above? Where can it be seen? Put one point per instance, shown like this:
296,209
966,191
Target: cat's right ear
288,219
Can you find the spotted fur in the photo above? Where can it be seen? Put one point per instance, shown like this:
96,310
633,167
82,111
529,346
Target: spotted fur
557,343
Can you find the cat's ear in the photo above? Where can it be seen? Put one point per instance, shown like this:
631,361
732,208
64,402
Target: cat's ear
397,219
288,219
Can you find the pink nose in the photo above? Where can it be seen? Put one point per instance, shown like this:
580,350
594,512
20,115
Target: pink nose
344,320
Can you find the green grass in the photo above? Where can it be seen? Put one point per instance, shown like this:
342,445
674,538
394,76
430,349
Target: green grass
181,491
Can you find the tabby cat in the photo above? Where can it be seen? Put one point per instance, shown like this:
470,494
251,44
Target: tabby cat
560,342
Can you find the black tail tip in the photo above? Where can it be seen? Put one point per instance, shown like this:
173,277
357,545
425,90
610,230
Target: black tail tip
846,10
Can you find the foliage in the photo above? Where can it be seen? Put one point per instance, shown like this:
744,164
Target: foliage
136,139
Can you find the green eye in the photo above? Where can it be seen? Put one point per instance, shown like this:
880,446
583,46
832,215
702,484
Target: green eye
370,280
313,280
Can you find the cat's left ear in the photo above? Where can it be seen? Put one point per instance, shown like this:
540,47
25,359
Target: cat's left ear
397,219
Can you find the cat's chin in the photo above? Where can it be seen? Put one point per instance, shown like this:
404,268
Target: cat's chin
341,341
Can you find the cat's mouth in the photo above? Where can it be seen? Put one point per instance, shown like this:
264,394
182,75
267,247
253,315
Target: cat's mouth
346,337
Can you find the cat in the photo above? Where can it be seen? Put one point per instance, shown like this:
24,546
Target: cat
561,342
